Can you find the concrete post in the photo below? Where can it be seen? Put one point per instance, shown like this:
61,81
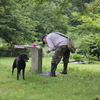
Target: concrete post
36,61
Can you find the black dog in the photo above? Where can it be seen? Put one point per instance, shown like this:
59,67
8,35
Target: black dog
20,64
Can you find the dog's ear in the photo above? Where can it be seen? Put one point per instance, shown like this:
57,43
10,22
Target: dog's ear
20,56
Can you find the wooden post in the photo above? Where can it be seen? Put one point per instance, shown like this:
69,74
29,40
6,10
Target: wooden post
36,61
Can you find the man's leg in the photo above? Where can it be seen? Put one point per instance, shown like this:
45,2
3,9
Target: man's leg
65,65
56,59
53,69
65,62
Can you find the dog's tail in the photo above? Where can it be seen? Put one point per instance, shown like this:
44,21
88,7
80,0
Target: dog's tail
13,66
12,71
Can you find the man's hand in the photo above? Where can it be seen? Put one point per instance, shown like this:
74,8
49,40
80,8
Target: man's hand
47,51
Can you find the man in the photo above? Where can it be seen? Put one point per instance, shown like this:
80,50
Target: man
57,43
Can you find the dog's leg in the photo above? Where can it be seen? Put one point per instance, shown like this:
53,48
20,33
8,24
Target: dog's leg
18,72
23,73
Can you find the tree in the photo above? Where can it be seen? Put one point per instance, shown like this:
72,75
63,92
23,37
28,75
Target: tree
28,21
93,7
14,21
47,19
80,4
90,45
87,30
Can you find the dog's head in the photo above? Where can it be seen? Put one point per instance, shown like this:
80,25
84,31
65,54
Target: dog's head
24,57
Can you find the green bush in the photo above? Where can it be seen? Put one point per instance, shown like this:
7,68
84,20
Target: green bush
78,57
91,58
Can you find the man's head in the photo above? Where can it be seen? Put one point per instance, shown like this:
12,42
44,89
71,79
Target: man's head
44,39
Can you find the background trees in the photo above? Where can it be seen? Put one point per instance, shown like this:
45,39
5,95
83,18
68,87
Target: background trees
25,21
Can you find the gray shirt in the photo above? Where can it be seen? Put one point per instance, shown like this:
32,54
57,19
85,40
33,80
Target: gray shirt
55,40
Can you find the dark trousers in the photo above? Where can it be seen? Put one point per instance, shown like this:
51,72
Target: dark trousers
61,52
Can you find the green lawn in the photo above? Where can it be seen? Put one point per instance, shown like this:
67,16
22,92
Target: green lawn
81,83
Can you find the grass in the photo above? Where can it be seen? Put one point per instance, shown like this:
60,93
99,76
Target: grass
81,83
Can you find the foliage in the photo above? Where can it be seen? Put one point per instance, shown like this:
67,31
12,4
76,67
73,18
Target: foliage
92,58
78,57
88,31
15,22
89,45
29,22
80,4
47,19
93,7
88,24
25,21
61,3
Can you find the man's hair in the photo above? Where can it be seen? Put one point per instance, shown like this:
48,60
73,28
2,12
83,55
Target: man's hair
43,38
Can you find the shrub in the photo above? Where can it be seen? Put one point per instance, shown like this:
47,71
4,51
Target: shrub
77,57
91,58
